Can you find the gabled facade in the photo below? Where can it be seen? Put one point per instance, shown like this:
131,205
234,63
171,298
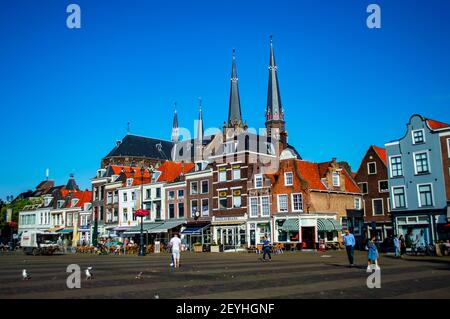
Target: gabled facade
372,178
418,191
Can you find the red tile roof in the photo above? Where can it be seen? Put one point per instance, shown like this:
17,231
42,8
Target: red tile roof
435,125
171,170
83,198
314,172
117,169
381,152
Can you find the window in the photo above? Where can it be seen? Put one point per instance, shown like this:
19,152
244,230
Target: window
383,186
236,172
399,197
297,202
158,192
418,136
372,168
230,147
223,200
194,188
125,196
129,182
282,203
116,196
237,202
205,207
377,206
171,211
125,214
205,187
336,180
425,195
147,193
265,207
109,198
364,187
194,207
396,166
421,163
288,179
181,193
133,195
253,207
357,203
222,174
180,210
171,194
258,181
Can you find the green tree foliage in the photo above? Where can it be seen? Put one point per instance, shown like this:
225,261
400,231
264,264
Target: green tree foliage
16,207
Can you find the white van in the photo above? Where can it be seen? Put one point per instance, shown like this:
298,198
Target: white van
37,242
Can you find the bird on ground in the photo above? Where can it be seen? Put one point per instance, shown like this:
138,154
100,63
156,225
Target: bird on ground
88,273
156,296
25,275
139,276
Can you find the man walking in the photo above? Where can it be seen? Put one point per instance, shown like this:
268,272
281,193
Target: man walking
349,243
175,243
266,249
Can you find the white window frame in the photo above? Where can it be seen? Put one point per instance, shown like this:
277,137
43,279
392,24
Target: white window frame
292,202
201,186
233,170
423,134
333,175
190,188
382,206
262,180
448,147
240,200
190,206
250,207
286,181
428,162
379,186
219,172
367,187
202,213
368,169
432,194
178,193
390,166
393,196
287,203
359,202
262,206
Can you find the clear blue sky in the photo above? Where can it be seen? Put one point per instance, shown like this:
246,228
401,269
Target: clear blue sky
66,95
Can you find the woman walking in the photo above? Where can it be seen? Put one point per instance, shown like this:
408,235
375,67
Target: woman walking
402,245
372,255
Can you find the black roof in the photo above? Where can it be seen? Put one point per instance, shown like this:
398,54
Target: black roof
139,146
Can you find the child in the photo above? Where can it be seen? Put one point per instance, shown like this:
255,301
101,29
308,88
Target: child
372,254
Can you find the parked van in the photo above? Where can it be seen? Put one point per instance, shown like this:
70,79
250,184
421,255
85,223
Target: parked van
38,242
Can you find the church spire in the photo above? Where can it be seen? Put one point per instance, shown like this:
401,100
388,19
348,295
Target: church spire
200,121
175,136
274,110
234,109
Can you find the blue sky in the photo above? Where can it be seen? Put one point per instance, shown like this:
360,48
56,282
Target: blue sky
66,95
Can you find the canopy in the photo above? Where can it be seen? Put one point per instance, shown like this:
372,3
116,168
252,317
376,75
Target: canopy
137,229
328,225
65,231
164,227
290,225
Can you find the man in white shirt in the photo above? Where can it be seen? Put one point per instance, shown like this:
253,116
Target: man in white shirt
175,243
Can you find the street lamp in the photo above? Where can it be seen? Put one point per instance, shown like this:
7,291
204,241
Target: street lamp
142,213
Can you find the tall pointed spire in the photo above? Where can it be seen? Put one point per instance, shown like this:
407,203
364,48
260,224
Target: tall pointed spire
175,136
234,109
274,110
200,121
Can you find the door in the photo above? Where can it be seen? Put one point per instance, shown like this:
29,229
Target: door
308,237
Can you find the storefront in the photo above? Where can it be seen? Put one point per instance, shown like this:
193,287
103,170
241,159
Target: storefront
257,230
230,232
196,233
287,229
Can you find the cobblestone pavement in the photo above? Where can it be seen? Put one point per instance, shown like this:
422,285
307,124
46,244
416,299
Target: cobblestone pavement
225,275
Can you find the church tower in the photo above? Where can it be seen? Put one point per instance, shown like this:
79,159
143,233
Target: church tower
175,133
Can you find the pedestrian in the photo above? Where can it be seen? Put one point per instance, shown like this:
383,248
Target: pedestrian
349,243
175,244
397,246
402,245
372,254
266,249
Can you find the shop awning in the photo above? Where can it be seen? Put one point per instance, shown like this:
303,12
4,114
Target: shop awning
137,229
65,231
194,230
290,225
122,228
328,225
164,227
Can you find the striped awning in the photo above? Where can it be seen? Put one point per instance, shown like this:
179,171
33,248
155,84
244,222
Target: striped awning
290,225
328,225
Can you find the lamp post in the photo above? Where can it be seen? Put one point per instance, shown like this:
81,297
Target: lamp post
142,213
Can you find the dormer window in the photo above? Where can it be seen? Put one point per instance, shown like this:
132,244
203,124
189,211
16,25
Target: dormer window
155,176
129,182
336,179
324,182
101,173
288,179
114,178
418,136
61,203
47,201
74,201
87,206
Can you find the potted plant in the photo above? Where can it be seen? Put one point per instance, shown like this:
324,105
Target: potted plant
198,247
215,248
